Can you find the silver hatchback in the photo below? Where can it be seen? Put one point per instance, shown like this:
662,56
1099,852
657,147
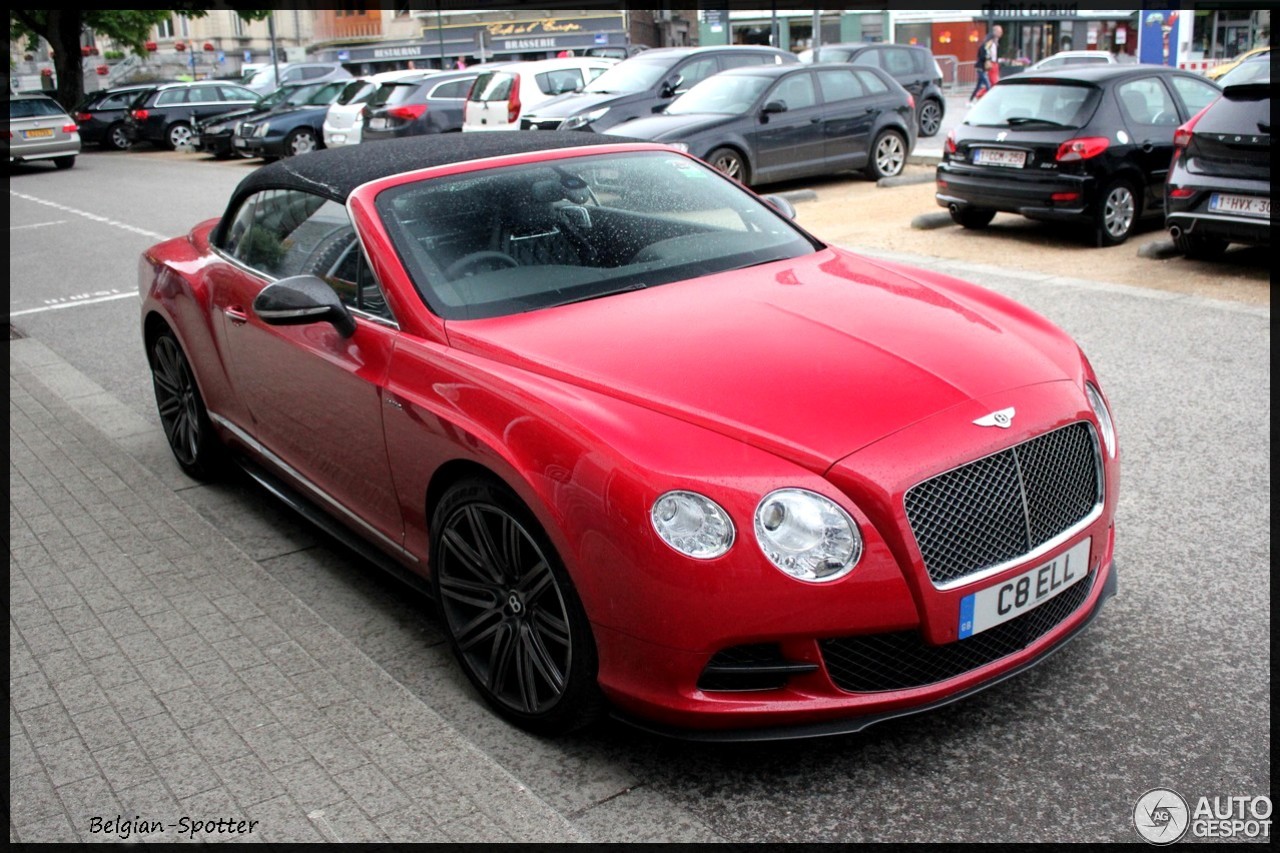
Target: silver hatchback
40,129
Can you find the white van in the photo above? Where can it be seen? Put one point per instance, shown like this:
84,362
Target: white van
344,124
499,96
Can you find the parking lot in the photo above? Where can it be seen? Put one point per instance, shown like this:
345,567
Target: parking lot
1169,687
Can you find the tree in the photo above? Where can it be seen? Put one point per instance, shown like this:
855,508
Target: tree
62,29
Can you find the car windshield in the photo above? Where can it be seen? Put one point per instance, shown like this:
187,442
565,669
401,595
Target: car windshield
637,74
1250,71
520,238
826,54
326,94
729,94
1041,104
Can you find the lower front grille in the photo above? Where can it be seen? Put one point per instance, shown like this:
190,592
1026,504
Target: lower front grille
877,662
759,666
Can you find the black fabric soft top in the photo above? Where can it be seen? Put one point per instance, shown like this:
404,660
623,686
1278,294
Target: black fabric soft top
334,173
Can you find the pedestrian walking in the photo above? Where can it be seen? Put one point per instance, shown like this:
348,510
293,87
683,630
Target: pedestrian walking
987,64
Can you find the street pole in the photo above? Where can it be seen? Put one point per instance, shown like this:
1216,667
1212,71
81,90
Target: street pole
440,35
275,60
817,32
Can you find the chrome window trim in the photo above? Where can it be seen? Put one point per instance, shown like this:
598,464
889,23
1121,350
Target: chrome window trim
1041,550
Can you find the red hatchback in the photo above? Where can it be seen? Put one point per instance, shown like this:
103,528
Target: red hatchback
653,448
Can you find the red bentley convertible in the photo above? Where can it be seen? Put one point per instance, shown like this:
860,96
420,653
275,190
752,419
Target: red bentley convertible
653,448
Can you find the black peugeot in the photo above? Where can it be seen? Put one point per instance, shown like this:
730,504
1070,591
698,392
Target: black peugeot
1219,186
1090,144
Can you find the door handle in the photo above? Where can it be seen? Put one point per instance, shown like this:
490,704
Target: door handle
814,120
236,314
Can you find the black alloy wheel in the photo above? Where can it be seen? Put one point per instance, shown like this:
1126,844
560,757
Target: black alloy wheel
972,217
930,119
182,411
1198,247
116,138
729,162
510,611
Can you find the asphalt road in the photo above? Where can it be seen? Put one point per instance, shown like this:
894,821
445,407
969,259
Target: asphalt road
1170,687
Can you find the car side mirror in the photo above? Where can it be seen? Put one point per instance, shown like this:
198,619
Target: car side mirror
774,107
670,86
781,205
302,299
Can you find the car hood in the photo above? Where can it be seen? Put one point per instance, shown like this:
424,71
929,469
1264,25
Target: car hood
811,358
661,127
234,115
572,103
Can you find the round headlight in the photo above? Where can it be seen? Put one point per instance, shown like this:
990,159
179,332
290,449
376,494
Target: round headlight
1103,414
692,524
807,536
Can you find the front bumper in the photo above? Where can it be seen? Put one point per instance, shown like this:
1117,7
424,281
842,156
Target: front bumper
218,144
1021,192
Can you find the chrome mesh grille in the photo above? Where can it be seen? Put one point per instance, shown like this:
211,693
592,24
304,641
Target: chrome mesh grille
1002,507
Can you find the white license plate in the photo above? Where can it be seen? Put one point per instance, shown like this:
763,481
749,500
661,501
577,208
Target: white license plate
1000,157
239,143
339,138
378,123
990,607
1245,205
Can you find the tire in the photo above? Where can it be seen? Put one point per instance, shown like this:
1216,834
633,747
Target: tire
1116,213
64,162
1198,247
929,118
116,138
888,155
301,141
731,164
973,217
186,422
178,137
510,612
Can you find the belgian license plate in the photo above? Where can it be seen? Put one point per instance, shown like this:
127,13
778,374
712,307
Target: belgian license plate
39,133
994,605
1245,205
239,142
378,123
1000,157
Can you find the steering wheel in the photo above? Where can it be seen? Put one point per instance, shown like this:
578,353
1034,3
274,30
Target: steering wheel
463,265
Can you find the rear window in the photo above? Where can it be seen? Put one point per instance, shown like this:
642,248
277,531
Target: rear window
492,86
33,108
357,91
394,94
1044,104
559,82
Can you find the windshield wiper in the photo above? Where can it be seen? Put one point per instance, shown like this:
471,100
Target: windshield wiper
640,285
1014,121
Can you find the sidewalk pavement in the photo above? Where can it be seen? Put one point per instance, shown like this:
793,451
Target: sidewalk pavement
163,686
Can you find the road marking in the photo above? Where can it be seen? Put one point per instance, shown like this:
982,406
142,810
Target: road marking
106,220
36,225
74,302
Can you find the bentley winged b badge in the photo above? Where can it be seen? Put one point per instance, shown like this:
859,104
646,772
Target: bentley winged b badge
1002,419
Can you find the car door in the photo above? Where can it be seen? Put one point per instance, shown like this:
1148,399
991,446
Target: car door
1151,115
312,399
849,114
789,141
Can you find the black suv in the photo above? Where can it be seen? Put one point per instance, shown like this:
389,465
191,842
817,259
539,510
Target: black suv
167,115
644,85
1219,185
101,115
912,66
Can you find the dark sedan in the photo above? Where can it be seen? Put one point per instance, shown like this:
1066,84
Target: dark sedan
165,116
102,115
215,135
1090,145
1219,187
769,123
292,128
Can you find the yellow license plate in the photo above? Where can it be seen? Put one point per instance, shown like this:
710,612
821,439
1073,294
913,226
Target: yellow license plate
40,133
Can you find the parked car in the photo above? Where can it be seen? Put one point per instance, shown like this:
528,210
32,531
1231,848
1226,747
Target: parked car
40,129
264,79
1090,145
1218,71
215,134
773,122
644,85
912,66
652,446
431,102
500,95
101,116
1219,186
345,120
1072,58
293,127
166,116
